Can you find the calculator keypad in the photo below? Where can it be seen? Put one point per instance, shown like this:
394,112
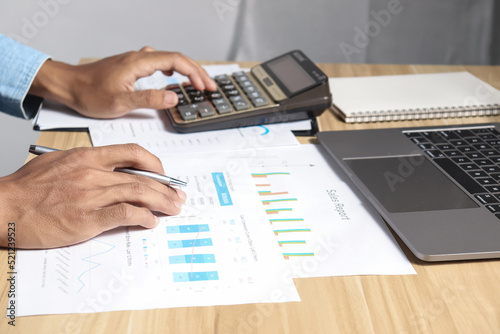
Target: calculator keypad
235,93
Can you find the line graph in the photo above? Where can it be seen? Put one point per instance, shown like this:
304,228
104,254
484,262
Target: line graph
96,264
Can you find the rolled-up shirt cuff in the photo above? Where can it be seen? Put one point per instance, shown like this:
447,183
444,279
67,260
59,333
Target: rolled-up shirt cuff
19,64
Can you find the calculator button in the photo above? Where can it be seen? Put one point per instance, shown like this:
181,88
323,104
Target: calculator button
194,93
219,101
255,95
222,77
214,95
241,105
224,82
259,101
198,99
224,108
250,89
246,83
236,98
205,109
188,112
241,78
233,92
228,87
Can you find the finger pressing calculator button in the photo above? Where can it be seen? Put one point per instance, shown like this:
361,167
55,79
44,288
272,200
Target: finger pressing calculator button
188,111
205,109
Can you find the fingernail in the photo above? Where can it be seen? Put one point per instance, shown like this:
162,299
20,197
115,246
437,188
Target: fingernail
157,220
171,98
182,195
178,204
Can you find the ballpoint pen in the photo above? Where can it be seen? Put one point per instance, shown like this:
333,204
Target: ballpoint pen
38,150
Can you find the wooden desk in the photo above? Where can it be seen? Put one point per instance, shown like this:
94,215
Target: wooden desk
454,297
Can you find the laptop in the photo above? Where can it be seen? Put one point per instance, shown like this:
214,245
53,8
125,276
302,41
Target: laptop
438,188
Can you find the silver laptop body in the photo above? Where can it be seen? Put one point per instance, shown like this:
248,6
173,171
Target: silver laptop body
403,177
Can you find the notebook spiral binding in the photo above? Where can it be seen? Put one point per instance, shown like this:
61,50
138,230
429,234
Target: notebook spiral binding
414,114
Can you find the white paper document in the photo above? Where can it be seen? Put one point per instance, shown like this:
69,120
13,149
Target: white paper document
323,225
218,251
153,131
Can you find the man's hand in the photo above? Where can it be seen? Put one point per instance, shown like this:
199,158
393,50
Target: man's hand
65,197
105,89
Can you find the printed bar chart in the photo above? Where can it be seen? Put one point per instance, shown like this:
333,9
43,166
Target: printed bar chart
196,276
194,258
269,201
173,244
274,188
287,256
276,211
291,242
268,193
262,175
278,232
188,228
286,220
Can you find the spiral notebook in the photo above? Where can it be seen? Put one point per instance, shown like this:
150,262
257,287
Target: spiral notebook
413,96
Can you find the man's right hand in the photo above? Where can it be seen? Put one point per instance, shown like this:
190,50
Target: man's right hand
66,197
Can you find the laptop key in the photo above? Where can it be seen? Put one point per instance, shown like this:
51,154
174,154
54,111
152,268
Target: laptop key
486,198
493,189
486,181
478,173
434,153
469,166
495,208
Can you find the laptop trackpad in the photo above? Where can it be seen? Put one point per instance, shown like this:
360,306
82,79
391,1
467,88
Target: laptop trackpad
408,184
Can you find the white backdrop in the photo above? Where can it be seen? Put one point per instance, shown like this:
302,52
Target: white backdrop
372,31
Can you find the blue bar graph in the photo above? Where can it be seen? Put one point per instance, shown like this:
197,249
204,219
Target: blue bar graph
195,258
188,228
196,276
222,189
189,243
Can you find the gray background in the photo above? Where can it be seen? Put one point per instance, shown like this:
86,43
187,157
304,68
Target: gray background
357,31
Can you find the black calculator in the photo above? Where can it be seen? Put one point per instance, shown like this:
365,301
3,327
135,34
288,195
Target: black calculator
286,88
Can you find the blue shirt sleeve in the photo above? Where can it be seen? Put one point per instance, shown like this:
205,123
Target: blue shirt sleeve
19,65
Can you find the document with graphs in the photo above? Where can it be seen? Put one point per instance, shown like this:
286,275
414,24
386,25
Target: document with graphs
253,220
217,252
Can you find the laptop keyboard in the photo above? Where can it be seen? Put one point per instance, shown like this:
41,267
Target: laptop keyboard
471,156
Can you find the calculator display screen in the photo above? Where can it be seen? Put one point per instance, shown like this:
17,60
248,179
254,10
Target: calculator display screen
291,74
